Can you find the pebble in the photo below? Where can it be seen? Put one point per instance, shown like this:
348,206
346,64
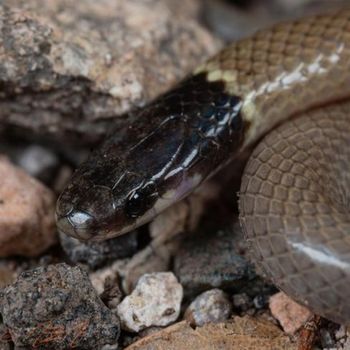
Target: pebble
96,254
111,295
100,277
210,261
242,301
27,221
326,338
155,301
260,301
290,314
210,306
239,333
38,162
56,307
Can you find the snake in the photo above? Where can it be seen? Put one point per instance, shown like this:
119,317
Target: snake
283,93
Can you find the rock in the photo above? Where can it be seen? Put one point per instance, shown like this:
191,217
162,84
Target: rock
111,295
155,301
209,261
242,302
211,306
239,334
100,277
38,162
68,67
27,221
55,307
326,338
290,314
106,282
95,254
260,301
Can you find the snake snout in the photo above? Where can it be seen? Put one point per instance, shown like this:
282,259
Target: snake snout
77,224
78,212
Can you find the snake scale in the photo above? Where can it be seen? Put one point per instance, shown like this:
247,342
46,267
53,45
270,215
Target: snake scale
288,87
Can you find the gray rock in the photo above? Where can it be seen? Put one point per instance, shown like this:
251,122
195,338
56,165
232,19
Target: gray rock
242,301
68,68
211,306
38,161
260,301
96,254
155,301
210,261
56,307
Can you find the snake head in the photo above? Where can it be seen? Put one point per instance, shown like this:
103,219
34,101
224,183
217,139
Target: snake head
91,209
165,152
118,189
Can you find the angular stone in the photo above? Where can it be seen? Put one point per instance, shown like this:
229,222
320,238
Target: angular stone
56,307
210,261
290,314
155,301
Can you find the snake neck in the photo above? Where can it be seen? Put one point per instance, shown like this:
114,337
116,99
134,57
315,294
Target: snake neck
283,71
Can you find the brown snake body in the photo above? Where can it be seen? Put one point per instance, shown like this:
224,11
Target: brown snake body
294,200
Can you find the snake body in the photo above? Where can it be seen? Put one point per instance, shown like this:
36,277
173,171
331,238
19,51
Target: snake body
294,200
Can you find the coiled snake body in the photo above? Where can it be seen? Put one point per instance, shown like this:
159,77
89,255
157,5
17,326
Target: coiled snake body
294,200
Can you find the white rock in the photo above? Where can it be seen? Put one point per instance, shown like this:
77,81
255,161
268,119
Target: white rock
155,301
210,306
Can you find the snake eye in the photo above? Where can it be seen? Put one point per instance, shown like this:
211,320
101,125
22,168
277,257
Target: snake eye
141,200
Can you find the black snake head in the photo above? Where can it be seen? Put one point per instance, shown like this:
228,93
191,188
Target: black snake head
171,146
